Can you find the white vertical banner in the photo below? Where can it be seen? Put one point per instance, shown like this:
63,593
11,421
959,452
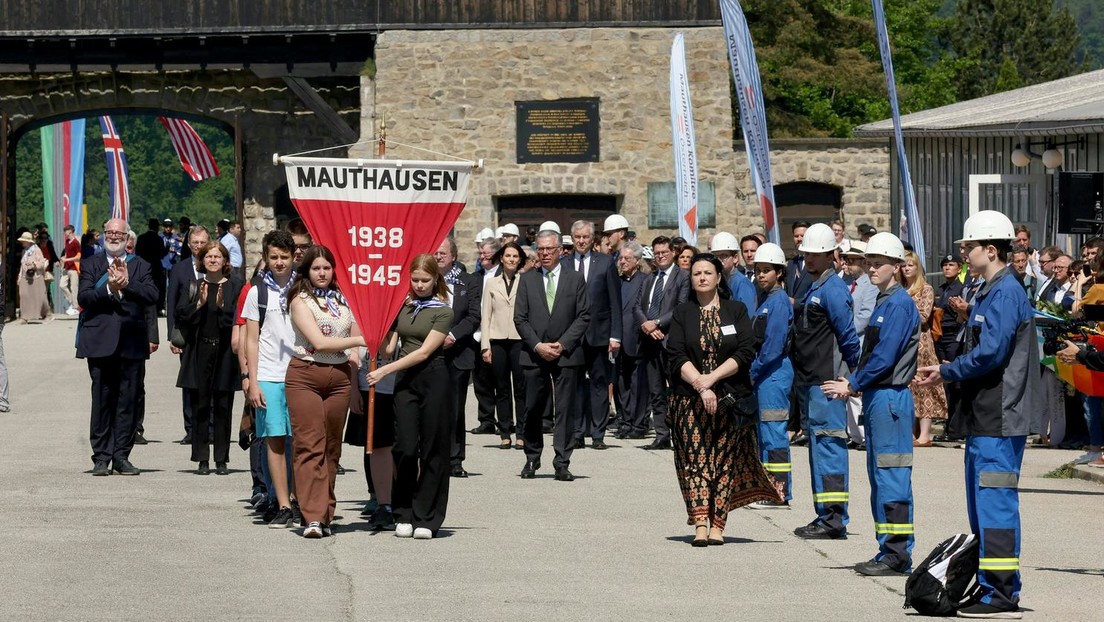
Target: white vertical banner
686,155
910,230
753,115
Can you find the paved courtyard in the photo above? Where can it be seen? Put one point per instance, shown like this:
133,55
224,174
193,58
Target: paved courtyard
613,545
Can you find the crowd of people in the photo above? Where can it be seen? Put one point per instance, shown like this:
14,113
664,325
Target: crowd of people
730,354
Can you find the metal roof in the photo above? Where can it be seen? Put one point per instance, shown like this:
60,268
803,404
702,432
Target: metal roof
1073,105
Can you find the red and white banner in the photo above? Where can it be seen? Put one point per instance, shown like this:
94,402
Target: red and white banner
376,216
686,154
194,156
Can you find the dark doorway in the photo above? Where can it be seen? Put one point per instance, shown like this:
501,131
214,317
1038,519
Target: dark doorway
530,210
805,200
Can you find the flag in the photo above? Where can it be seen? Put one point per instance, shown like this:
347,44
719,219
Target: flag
910,219
194,156
753,116
376,216
116,170
686,157
63,178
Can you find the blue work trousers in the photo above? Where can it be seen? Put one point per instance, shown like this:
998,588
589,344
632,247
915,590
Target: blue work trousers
774,413
827,431
888,413
993,503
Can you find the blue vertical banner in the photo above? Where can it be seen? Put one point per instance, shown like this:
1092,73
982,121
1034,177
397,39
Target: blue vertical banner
910,221
685,151
753,115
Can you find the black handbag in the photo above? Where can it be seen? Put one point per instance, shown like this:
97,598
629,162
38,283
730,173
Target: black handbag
743,410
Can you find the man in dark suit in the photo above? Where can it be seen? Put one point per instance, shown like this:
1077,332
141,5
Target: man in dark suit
181,277
632,382
797,279
461,348
551,315
115,290
603,335
151,248
665,289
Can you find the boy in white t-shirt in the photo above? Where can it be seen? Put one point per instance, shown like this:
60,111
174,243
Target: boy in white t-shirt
268,348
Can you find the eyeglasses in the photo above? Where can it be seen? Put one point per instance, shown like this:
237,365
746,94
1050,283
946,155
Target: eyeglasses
548,249
303,247
115,234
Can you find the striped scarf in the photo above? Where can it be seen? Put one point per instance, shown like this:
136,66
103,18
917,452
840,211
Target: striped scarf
432,302
333,299
282,291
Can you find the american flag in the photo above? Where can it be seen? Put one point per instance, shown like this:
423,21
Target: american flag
116,170
192,152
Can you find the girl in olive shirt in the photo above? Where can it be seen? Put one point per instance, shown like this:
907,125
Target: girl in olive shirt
423,416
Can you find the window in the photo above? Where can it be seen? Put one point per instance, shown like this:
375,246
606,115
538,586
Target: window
663,209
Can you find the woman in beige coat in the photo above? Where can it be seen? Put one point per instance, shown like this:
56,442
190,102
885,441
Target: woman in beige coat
33,304
501,343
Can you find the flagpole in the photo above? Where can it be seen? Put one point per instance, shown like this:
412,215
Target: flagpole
370,411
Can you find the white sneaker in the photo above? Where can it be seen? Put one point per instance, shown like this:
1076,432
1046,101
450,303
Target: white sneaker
404,530
72,311
423,533
769,505
313,530
1087,457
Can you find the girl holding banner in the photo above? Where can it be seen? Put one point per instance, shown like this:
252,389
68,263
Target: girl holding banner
423,416
318,385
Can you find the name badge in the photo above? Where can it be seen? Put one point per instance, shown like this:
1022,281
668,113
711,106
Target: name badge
728,330
980,319
814,300
880,319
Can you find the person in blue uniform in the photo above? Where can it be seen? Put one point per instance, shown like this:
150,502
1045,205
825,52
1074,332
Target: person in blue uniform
825,347
771,371
886,367
999,393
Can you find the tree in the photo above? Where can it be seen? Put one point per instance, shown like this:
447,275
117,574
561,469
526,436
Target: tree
1002,44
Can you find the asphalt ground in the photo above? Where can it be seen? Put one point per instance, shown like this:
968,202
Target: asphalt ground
612,545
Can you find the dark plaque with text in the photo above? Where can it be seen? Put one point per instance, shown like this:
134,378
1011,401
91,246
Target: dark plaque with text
562,130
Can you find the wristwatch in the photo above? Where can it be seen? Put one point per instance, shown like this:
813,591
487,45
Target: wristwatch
245,376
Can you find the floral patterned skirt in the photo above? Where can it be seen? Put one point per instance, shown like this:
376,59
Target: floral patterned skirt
717,462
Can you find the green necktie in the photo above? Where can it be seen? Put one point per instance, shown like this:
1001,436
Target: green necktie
550,291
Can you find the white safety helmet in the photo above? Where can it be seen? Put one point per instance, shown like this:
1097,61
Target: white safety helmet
548,225
770,253
987,225
647,253
858,249
484,234
819,238
615,222
509,229
567,241
724,241
886,245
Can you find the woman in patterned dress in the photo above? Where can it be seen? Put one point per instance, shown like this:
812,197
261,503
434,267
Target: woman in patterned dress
931,401
710,348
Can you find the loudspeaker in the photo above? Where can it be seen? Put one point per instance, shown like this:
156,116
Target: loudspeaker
1080,199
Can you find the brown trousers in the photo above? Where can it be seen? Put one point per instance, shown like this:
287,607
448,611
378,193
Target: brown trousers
318,402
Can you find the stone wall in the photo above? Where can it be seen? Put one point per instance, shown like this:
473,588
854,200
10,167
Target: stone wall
860,167
453,92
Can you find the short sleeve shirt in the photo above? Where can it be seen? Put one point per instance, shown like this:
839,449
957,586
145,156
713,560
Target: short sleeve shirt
274,351
413,330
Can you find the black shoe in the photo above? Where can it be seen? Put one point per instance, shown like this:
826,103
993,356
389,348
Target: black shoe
100,469
579,444
622,433
124,467
817,530
800,439
981,610
383,519
529,471
458,471
657,444
635,436
204,468
483,429
296,514
283,519
599,445
271,512
874,568
220,469
187,440
563,475
139,439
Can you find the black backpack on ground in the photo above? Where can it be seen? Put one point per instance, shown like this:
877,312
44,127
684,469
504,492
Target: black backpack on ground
945,579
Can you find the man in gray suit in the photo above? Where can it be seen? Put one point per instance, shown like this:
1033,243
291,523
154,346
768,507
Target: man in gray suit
665,289
632,383
551,315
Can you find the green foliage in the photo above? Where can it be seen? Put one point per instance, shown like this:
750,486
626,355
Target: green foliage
1089,15
159,187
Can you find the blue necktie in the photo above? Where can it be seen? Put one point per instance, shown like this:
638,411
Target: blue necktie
657,297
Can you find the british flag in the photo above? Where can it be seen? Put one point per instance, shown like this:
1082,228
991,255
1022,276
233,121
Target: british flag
116,170
194,156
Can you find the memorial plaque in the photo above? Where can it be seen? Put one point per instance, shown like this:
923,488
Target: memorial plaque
561,130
